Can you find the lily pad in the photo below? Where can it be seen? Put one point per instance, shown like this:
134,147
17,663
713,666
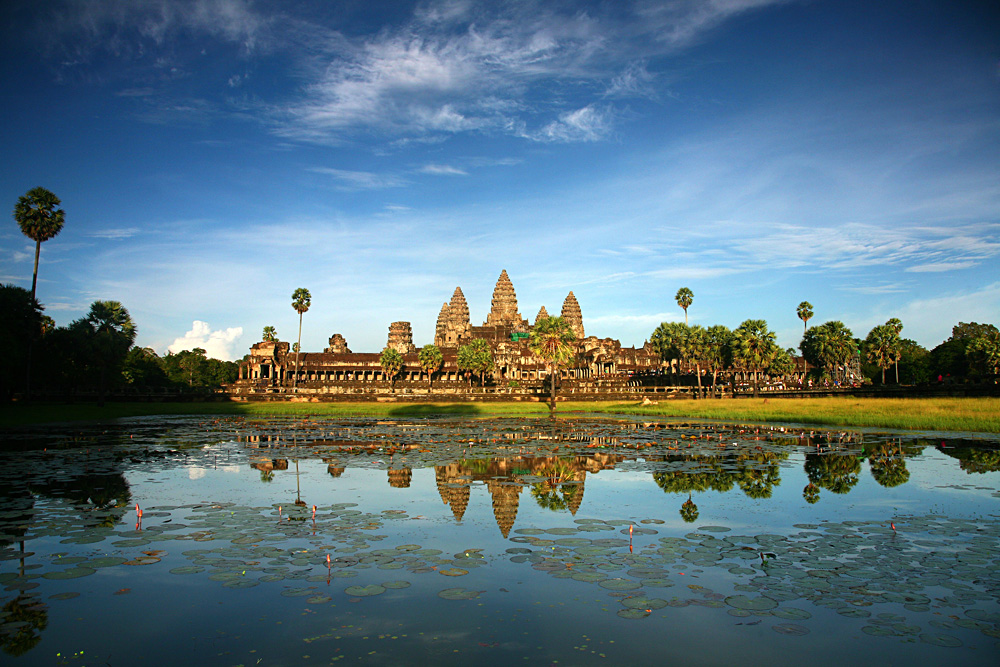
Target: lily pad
790,629
751,604
364,591
459,594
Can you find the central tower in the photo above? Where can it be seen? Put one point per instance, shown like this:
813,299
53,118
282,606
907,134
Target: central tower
503,310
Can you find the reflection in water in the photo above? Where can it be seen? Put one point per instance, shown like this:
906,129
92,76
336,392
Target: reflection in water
924,577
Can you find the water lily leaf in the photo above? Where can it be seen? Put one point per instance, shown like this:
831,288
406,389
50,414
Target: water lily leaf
459,594
790,629
453,572
364,591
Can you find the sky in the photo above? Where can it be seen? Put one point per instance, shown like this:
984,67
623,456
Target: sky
214,155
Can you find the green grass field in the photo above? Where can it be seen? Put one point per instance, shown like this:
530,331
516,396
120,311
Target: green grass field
980,415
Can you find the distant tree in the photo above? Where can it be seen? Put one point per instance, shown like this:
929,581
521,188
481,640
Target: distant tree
666,340
684,298
143,368
718,349
301,300
897,325
270,334
983,353
882,347
482,359
693,347
553,340
40,218
467,361
782,365
828,345
753,348
111,332
913,362
22,327
193,363
805,313
431,359
391,362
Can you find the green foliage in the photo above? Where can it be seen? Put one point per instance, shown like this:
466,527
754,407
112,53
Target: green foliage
553,340
301,300
391,362
143,367
882,347
684,298
805,313
951,360
476,358
38,215
666,340
22,316
782,365
828,345
983,353
431,359
754,348
269,335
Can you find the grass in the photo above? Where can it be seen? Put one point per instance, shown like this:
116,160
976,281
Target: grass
981,415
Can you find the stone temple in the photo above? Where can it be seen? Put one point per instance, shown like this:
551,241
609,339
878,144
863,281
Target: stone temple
601,365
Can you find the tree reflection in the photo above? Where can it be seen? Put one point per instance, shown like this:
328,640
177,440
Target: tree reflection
887,464
34,615
689,511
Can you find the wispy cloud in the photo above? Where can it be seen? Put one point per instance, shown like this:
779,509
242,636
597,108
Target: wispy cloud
443,170
115,234
360,180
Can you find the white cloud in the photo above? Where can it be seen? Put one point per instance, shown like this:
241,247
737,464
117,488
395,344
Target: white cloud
443,170
586,124
217,344
939,267
361,180
115,234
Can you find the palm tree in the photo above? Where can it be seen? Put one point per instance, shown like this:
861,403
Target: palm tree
431,359
552,339
270,334
754,348
896,324
882,347
301,299
391,362
718,341
694,349
666,339
684,297
39,219
112,333
805,312
828,345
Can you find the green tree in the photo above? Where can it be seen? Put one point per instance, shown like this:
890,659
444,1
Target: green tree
882,347
553,340
479,359
22,327
301,300
983,353
782,365
391,362
693,347
828,345
144,368
897,325
805,313
684,298
753,348
40,218
431,360
718,349
270,334
112,333
666,340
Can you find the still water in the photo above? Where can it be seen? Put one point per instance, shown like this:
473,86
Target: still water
573,541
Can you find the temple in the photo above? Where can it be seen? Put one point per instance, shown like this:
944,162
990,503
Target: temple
601,365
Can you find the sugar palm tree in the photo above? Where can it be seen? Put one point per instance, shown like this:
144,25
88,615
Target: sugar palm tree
882,347
552,339
828,345
684,298
718,342
270,334
754,348
40,219
896,324
431,359
301,300
391,362
805,312
694,349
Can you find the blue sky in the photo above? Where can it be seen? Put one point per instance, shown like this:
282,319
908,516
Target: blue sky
214,155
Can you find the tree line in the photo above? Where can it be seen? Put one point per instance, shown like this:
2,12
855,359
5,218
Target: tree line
972,353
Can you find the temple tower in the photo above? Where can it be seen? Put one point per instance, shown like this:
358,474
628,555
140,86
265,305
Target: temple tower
503,309
338,345
401,338
453,321
571,313
542,315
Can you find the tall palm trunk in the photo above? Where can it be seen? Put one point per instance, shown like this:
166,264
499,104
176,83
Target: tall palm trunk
34,276
298,351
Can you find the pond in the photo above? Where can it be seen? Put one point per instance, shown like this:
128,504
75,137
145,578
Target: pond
574,541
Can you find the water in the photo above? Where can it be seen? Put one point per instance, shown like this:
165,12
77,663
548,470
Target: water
495,541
